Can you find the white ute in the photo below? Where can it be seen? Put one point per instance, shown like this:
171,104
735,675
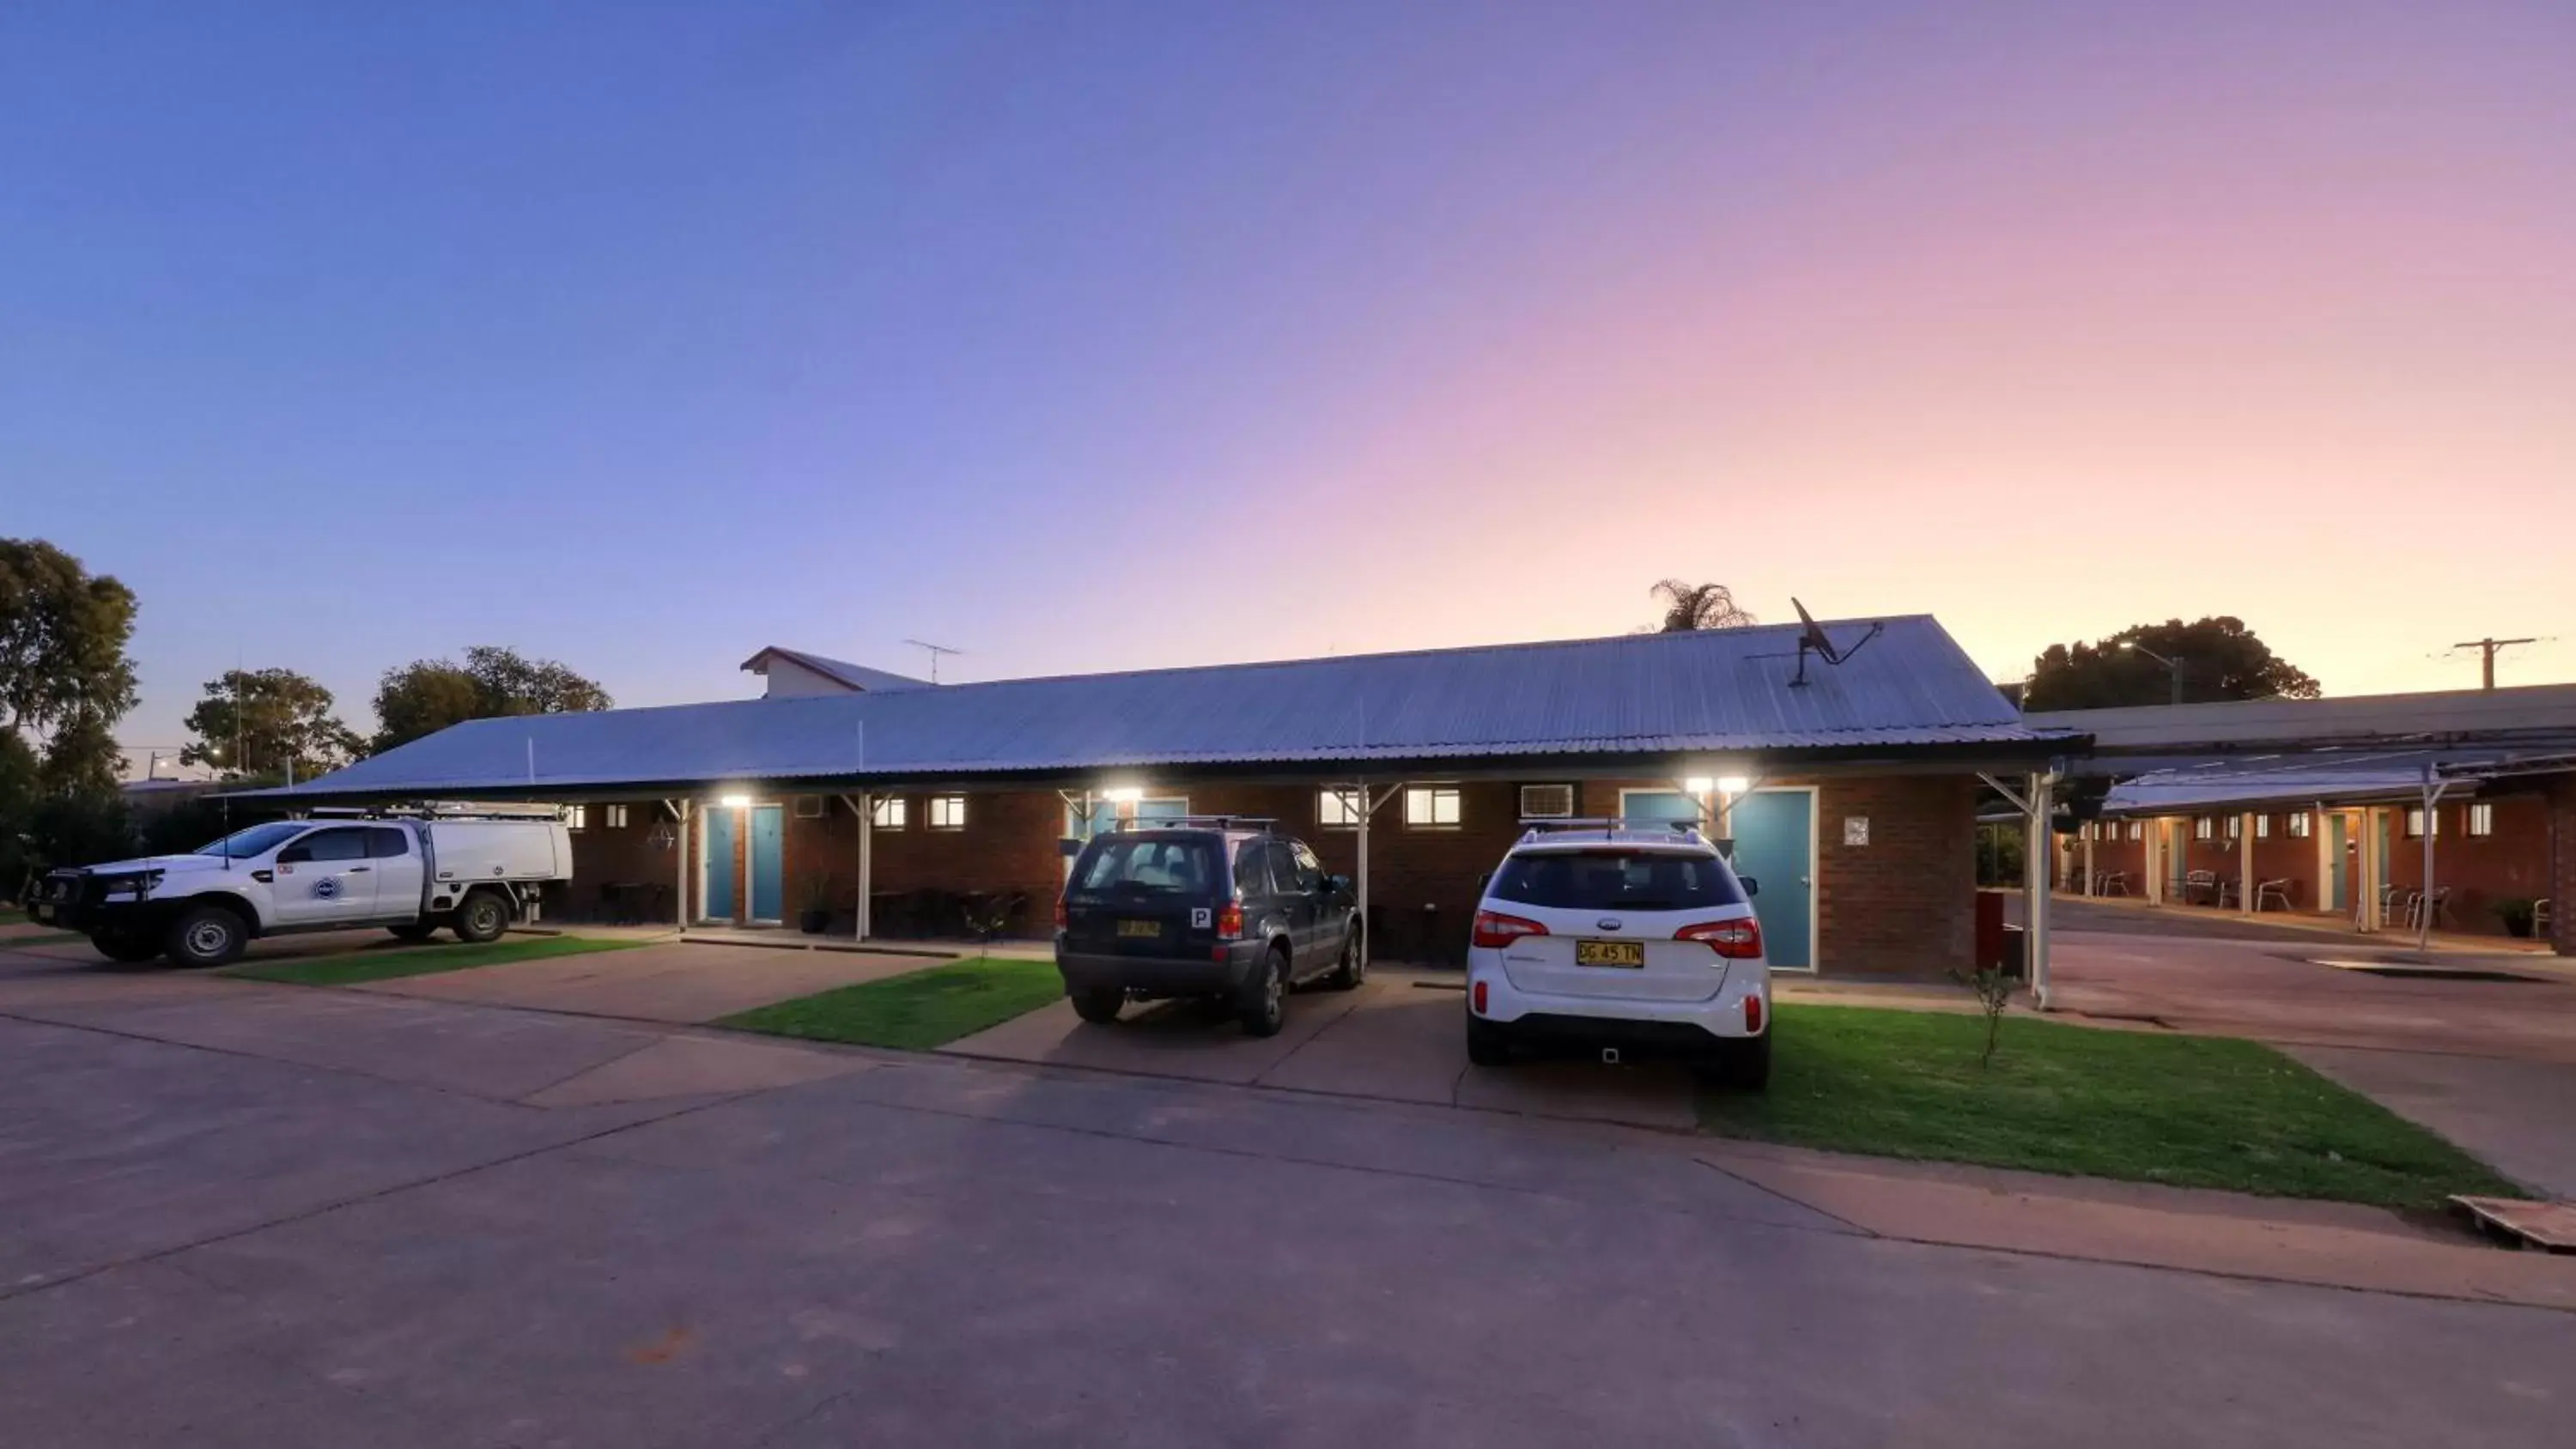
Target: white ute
410,874
1621,937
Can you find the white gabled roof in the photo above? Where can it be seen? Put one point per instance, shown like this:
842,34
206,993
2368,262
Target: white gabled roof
856,676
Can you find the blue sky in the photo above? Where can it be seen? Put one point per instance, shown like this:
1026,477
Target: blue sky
644,335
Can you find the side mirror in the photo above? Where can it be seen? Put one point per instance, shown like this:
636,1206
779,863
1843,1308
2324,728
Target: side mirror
1752,887
1337,882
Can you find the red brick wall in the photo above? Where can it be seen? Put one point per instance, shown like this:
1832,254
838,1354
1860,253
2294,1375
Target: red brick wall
2562,870
1903,904
604,855
2513,863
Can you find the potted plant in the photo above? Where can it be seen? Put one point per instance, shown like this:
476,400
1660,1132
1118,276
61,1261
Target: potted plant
816,917
2516,913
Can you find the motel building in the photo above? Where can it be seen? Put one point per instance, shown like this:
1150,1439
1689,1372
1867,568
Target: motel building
2451,811
885,807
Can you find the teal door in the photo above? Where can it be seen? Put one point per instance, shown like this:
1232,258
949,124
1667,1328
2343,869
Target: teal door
1775,843
717,903
768,863
2338,868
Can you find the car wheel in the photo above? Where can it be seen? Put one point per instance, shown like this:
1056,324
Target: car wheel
1487,1045
482,919
1100,1008
413,931
1264,1007
1353,968
206,936
131,948
1744,1066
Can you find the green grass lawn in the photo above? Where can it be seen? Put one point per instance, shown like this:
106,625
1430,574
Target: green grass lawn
11,915
383,963
48,938
2146,1107
917,1010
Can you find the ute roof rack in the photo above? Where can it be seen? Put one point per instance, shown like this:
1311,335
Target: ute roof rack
410,812
1607,826
1199,822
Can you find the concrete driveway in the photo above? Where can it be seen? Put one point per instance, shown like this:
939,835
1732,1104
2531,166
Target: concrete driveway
1398,1038
249,1214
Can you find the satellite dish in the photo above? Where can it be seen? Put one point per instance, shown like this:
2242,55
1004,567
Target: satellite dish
1812,638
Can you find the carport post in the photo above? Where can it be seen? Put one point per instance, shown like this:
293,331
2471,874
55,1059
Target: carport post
865,806
2039,873
2090,827
2245,863
680,867
1368,807
2432,827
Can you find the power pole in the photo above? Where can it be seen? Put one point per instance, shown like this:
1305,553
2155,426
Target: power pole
2486,656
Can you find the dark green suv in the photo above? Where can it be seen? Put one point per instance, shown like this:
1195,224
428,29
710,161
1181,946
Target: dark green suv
1213,906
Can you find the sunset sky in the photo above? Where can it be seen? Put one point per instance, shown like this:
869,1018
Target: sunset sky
644,336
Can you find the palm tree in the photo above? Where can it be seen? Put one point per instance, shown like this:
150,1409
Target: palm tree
1699,606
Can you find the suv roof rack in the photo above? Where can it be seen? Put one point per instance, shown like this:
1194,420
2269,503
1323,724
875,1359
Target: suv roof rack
1200,822
1540,827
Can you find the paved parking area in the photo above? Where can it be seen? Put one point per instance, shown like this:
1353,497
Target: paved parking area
1398,1038
253,1214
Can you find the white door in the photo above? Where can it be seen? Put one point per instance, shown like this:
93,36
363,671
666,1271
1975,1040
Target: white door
325,877
397,869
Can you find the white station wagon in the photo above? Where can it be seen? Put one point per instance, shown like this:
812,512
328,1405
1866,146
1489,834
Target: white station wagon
1620,937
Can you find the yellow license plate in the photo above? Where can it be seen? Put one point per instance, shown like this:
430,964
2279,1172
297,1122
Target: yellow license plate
1147,929
1609,953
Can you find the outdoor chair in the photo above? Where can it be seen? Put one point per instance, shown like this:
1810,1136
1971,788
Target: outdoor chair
2540,919
2111,883
2425,912
2195,882
2276,892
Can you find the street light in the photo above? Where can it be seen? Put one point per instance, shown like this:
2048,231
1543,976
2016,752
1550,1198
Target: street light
2173,667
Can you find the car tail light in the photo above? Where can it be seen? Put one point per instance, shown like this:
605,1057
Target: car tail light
1752,1015
1493,928
1735,940
1061,920
1229,921
1479,996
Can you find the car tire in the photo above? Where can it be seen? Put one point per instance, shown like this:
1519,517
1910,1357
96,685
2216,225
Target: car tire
207,936
413,931
481,919
1353,969
1487,1044
128,948
1100,1008
1263,1006
1745,1065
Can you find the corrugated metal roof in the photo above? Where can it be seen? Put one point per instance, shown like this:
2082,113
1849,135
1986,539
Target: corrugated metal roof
856,676
2452,716
1647,694
2324,777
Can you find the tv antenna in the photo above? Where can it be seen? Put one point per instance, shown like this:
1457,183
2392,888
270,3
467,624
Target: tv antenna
1812,638
935,651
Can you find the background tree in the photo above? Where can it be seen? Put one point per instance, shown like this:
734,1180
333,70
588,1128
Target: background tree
1689,606
268,720
65,678
2219,659
427,695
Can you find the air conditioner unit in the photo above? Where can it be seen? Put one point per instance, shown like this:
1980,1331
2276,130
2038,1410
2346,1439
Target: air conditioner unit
1547,802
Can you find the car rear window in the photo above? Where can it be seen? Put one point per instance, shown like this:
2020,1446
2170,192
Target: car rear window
1628,880
1147,864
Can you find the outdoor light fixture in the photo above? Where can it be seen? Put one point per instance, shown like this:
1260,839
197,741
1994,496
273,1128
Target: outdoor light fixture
1122,795
733,802
1699,784
1734,784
